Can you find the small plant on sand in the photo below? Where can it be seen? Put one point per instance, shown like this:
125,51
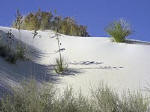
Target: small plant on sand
119,30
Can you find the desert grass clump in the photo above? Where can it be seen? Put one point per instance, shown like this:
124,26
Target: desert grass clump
119,30
135,102
69,102
105,99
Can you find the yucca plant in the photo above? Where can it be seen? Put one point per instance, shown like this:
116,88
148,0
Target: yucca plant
119,30
60,66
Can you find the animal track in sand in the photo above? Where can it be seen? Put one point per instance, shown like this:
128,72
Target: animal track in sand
95,63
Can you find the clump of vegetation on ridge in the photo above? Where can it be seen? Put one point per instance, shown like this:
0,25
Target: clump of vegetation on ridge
42,20
119,30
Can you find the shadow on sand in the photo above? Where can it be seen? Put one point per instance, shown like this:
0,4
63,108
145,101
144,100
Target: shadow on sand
13,74
137,42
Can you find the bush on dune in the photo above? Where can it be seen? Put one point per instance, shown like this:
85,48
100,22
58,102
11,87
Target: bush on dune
31,22
46,17
42,20
119,30
31,98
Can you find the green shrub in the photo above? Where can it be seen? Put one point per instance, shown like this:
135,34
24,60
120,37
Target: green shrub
45,19
31,22
69,26
119,30
32,98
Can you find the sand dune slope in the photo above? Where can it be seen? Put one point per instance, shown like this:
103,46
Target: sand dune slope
90,60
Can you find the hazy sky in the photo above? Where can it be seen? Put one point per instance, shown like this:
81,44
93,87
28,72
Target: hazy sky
96,14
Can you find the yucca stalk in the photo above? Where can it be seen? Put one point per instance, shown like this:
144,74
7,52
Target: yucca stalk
60,64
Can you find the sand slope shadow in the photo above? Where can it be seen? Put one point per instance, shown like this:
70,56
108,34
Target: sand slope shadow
137,42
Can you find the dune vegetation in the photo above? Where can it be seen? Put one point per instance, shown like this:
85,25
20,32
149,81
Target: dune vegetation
29,98
42,20
36,96
119,30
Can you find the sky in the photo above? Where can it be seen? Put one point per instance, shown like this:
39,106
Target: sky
95,14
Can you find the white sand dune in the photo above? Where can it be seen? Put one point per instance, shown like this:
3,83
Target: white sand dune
91,60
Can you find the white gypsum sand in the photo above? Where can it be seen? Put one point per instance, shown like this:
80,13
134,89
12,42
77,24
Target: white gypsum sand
91,60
